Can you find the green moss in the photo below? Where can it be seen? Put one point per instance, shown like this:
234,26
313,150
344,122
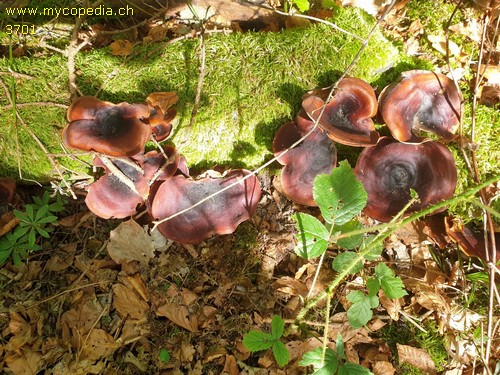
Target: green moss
253,84
407,334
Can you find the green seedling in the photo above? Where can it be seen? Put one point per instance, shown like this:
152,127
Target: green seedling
256,341
35,221
333,362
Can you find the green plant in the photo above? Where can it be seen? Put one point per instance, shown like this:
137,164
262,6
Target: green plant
333,362
257,340
340,198
35,221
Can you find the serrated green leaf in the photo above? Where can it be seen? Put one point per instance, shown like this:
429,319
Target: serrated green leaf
255,341
373,286
393,287
360,313
355,296
312,237
351,242
339,345
281,353
313,358
346,259
353,369
277,327
340,195
373,301
302,5
382,270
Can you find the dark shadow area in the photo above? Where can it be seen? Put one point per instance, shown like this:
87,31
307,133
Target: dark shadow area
327,78
264,132
292,94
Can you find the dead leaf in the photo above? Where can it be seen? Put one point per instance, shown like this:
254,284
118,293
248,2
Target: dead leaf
179,315
383,368
164,100
24,362
157,33
8,222
470,28
121,47
490,95
128,303
230,366
79,320
129,242
438,42
60,262
98,344
418,358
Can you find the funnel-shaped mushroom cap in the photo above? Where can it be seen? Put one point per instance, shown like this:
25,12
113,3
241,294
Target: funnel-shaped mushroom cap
218,215
390,169
110,197
313,156
107,128
347,117
421,100
161,122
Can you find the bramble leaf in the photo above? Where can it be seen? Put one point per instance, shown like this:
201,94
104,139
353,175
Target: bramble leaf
312,236
339,195
255,341
345,259
281,353
277,327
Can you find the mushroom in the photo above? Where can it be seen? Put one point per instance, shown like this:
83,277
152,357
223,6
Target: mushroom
469,242
7,190
161,122
390,169
347,116
421,100
119,192
315,155
107,128
220,214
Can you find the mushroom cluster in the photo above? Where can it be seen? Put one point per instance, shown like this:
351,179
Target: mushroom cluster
158,179
388,167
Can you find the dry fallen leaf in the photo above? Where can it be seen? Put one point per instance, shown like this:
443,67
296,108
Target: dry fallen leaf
129,242
438,42
98,344
418,358
128,303
383,368
179,315
121,47
164,100
24,362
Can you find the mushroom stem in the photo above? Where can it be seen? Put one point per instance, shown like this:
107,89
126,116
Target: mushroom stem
120,175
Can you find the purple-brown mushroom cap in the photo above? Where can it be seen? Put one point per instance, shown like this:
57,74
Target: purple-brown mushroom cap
421,101
390,169
219,215
109,197
110,129
347,117
315,155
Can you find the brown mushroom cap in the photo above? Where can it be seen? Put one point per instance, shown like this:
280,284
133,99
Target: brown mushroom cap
109,197
219,215
421,100
347,117
390,169
115,130
161,122
469,242
313,156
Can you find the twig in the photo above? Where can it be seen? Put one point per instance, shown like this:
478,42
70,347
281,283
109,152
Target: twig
16,75
201,76
37,104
